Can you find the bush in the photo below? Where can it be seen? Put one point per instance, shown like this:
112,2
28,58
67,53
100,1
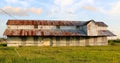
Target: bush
3,44
111,42
116,41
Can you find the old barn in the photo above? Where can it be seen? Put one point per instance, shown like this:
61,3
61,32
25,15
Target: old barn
56,33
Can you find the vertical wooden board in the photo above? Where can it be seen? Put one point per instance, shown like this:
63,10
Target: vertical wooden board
46,41
105,42
71,41
100,41
82,41
95,40
77,42
91,41
92,29
51,41
39,41
30,41
57,41
66,41
60,41
35,38
54,41
74,41
63,41
86,41
13,41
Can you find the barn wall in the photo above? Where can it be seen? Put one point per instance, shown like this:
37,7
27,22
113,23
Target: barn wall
39,27
29,41
68,27
92,29
13,41
46,27
57,41
20,27
102,28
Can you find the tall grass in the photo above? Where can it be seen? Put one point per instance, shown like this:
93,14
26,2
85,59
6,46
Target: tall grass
96,54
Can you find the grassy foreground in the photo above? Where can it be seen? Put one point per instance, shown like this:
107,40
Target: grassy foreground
96,54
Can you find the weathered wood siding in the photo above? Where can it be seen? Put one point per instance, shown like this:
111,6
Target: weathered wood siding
68,27
102,28
39,27
46,27
13,41
57,41
92,29
20,27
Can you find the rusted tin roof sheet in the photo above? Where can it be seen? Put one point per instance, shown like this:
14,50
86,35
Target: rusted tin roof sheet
101,24
52,22
45,22
22,32
105,33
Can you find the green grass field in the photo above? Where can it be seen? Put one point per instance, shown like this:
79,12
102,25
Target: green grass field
95,54
88,54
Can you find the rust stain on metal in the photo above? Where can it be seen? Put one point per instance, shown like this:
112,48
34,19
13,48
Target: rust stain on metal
101,24
52,33
22,32
105,33
40,32
44,22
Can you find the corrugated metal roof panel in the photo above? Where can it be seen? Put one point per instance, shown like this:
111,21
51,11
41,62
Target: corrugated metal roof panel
45,22
105,33
101,24
22,32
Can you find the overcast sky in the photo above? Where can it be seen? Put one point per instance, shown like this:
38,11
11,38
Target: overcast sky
107,11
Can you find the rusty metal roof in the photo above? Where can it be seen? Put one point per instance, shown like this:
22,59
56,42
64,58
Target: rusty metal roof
39,32
22,32
45,22
101,24
105,33
52,22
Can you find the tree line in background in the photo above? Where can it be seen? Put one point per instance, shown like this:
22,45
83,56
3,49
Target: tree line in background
3,40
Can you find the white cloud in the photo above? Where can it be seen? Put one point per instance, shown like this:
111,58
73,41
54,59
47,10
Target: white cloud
115,9
90,8
23,3
12,1
20,11
72,5
36,11
68,8
18,1
63,3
